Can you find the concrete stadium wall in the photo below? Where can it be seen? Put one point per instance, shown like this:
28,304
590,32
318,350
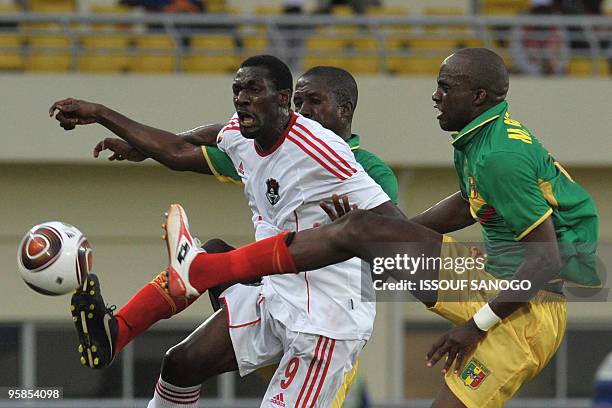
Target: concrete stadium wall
570,116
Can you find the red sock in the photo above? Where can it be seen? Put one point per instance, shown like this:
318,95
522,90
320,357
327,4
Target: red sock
151,304
269,256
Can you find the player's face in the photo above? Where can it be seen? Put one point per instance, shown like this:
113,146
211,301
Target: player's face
256,100
453,97
313,101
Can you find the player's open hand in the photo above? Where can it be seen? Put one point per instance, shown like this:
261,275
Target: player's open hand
340,209
457,343
121,150
72,112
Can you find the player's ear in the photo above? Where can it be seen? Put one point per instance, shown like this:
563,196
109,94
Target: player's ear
285,97
345,110
480,96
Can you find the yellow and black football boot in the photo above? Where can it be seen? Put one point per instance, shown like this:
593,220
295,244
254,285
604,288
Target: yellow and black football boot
95,324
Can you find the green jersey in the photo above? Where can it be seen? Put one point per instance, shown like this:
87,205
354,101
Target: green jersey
513,184
225,171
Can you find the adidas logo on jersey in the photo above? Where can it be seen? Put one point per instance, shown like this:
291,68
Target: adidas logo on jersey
278,399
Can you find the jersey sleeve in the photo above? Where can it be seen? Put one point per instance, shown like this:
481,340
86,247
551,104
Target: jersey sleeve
379,171
225,134
221,165
508,181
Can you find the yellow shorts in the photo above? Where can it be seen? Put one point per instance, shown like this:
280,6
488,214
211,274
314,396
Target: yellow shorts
513,352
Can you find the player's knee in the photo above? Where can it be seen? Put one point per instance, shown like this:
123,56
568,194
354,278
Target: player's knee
216,245
186,357
176,359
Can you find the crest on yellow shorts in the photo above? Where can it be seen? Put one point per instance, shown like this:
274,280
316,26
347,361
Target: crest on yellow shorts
474,374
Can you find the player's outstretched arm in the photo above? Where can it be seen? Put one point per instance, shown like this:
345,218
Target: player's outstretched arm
205,135
165,147
121,150
450,214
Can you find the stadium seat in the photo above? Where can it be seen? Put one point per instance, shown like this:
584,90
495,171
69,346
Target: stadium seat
212,53
47,51
342,10
444,12
106,41
316,60
432,43
268,10
414,65
386,11
326,43
359,64
403,42
6,8
504,7
390,11
105,53
220,6
52,6
254,45
48,61
11,57
108,9
588,67
154,54
363,44
103,61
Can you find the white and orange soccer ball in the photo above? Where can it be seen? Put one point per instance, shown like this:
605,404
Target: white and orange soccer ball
54,258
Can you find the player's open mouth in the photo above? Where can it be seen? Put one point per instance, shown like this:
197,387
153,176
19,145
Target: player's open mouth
438,110
246,119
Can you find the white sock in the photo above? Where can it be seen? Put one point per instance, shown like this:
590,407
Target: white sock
170,396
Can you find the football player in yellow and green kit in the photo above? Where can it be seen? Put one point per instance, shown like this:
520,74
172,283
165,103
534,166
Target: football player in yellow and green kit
538,225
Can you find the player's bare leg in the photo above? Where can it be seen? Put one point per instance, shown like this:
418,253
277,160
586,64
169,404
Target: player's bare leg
192,271
205,353
446,399
356,234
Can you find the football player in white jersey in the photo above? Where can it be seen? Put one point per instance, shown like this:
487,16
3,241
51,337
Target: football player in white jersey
313,325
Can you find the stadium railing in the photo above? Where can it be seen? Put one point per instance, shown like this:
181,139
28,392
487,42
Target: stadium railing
169,43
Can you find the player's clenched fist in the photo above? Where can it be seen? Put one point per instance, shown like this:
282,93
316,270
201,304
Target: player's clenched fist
72,112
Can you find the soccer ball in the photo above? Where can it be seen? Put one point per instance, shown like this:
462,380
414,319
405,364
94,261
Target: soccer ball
54,258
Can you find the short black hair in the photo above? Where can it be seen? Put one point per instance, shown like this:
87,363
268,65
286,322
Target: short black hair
339,82
278,72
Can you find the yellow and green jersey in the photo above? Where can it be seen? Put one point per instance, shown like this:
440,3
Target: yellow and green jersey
225,171
513,184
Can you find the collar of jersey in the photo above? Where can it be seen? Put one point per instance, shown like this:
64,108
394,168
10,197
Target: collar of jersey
353,141
486,117
280,140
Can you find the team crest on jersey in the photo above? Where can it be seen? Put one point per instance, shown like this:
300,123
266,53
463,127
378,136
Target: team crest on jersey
474,374
272,193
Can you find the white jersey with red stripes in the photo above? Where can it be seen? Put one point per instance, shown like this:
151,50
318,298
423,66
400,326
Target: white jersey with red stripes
284,187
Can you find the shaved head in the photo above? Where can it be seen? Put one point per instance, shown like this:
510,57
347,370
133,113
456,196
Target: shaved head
483,69
470,82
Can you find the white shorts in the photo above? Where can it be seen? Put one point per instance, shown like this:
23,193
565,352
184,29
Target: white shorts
312,369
